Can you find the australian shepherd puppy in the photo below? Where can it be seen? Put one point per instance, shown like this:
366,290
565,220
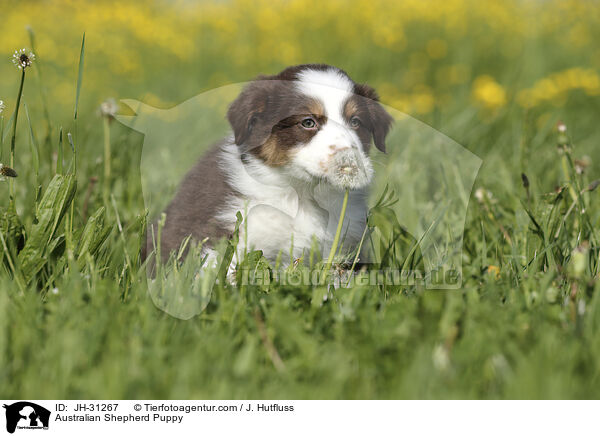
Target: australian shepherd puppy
299,140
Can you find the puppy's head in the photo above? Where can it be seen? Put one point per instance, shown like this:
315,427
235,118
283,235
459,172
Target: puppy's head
314,121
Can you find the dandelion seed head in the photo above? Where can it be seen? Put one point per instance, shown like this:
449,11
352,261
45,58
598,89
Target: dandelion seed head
347,170
592,186
23,58
108,108
582,164
6,172
562,128
480,194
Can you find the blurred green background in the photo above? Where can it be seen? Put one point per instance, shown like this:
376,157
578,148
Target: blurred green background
424,57
464,67
495,76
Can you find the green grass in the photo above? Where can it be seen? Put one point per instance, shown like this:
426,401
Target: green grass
77,319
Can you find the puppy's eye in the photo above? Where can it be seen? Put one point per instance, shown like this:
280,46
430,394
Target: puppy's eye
308,123
355,122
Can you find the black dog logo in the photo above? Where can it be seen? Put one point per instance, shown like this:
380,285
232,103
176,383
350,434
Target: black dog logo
28,415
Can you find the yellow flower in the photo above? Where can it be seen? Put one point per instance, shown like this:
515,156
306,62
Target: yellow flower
488,93
423,101
453,74
494,271
556,87
437,48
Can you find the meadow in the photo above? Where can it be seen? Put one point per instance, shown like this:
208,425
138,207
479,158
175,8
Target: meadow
515,83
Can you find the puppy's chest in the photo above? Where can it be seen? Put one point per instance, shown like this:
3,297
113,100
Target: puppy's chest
275,221
290,219
280,212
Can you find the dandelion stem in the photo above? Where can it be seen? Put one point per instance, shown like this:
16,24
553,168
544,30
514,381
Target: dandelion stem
358,250
1,136
565,168
14,135
106,158
338,232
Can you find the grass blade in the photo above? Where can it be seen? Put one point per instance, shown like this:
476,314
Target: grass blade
35,151
79,75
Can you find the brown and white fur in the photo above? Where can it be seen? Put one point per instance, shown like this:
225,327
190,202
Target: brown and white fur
299,139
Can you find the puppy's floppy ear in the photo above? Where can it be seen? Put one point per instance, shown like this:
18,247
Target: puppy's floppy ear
245,110
381,121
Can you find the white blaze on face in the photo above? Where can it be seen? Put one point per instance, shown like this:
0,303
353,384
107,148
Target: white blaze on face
335,152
